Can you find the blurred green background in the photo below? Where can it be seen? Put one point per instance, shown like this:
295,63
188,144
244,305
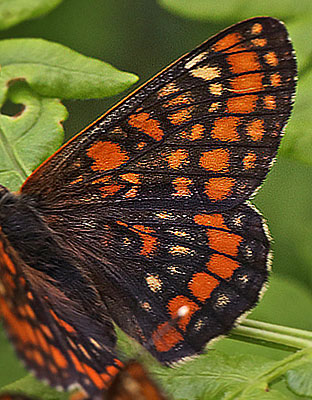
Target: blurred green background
141,36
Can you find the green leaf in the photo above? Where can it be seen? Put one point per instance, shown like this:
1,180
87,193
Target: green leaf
278,306
13,12
11,368
53,70
298,33
235,9
27,139
32,387
299,380
217,376
297,143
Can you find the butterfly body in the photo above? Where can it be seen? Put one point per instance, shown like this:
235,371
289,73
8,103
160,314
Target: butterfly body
147,211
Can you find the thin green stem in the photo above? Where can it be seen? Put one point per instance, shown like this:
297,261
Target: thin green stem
271,335
275,372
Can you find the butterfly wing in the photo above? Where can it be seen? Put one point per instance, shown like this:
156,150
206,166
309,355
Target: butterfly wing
152,197
134,383
52,334
203,133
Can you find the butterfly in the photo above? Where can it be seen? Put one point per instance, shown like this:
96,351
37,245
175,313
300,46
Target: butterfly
131,383
146,211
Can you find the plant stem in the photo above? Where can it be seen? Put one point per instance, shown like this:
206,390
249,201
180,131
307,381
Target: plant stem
271,335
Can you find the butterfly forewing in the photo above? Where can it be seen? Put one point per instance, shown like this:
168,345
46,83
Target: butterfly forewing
204,132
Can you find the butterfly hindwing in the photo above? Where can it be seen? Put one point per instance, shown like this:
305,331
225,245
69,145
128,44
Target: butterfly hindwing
52,334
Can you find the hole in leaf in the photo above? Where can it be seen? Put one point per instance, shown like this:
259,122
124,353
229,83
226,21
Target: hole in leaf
12,109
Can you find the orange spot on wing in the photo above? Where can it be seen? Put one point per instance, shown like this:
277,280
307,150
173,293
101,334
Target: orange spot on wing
106,156
8,262
76,362
119,363
105,377
132,192
181,185
181,116
228,41
224,242
275,79
149,242
29,311
121,223
59,359
62,323
177,158
79,179
249,160
215,160
46,331
242,104
222,266
132,178
8,281
225,129
259,42
141,145
44,345
110,190
112,370
196,132
202,285
255,129
271,58
165,337
38,358
176,303
149,126
247,83
269,102
214,220
184,98
256,28
243,62
219,188
95,377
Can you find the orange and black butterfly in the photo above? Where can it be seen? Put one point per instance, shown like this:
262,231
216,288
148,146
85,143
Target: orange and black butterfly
131,383
146,211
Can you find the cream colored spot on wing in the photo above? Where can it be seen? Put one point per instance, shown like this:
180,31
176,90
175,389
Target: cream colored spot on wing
244,278
195,60
198,325
95,343
146,306
222,300
164,215
173,269
216,89
214,107
179,250
207,73
179,233
84,351
154,283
